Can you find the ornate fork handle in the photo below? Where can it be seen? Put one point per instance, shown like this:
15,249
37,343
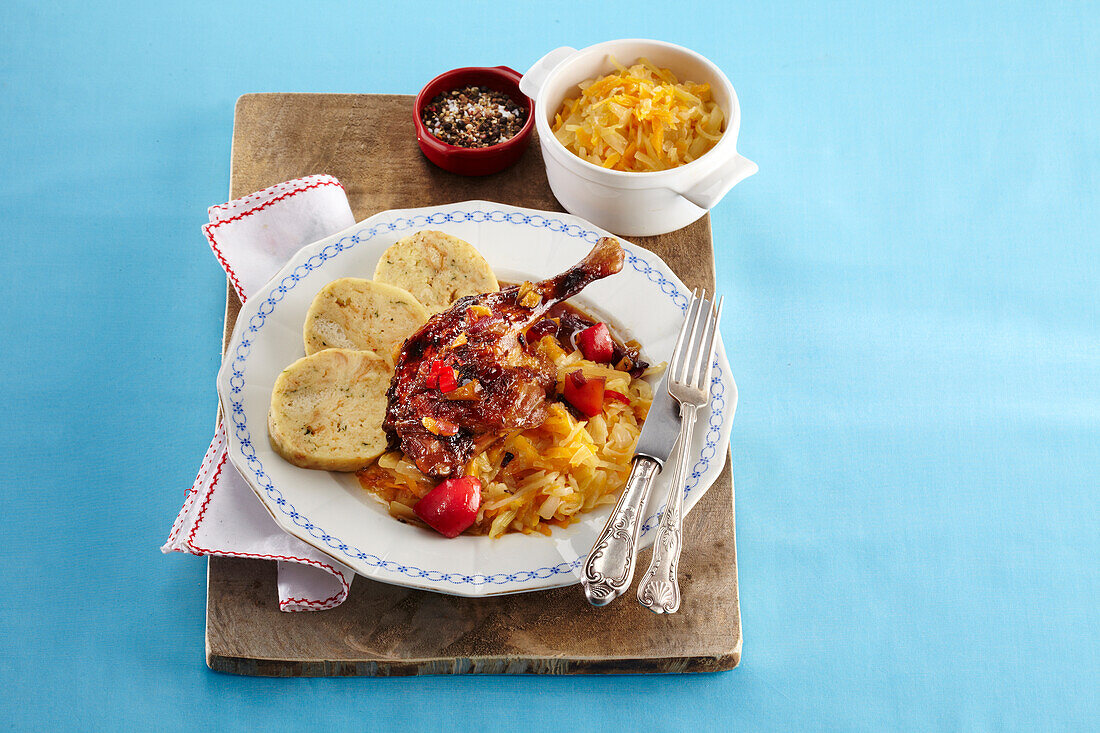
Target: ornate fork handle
659,590
610,566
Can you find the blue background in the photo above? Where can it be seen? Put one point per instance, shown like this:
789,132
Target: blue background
912,292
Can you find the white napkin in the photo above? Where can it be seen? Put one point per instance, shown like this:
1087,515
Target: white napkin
253,237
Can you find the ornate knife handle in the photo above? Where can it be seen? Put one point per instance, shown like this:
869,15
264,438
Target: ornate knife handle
610,565
659,590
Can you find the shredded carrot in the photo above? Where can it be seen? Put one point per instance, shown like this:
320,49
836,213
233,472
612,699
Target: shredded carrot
639,119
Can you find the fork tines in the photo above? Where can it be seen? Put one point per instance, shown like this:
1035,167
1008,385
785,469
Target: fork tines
691,359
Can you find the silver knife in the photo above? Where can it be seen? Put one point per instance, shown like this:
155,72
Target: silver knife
610,565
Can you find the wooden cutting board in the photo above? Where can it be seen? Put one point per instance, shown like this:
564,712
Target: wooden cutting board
367,141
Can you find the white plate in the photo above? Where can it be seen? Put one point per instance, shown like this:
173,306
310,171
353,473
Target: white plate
331,512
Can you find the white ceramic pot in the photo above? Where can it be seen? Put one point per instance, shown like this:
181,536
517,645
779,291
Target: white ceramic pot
634,204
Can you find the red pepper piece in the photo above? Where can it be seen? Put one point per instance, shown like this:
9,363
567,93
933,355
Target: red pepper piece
585,394
442,376
613,395
595,343
451,507
447,381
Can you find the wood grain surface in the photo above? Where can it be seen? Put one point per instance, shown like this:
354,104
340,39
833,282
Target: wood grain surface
368,142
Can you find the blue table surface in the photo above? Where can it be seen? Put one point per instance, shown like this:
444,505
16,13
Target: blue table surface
912,317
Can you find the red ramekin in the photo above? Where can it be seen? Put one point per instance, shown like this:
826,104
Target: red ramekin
474,161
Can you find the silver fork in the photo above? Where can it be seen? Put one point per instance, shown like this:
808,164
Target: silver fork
689,384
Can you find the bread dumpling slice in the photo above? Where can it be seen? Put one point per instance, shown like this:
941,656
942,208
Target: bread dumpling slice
352,313
327,409
436,268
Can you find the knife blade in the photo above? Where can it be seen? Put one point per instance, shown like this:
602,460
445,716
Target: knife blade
609,567
661,426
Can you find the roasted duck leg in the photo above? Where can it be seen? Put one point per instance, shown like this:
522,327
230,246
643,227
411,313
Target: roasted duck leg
467,377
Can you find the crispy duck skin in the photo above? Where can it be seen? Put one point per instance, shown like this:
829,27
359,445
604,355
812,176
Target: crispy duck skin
480,337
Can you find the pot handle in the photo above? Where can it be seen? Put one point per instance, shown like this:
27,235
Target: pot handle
536,75
709,191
